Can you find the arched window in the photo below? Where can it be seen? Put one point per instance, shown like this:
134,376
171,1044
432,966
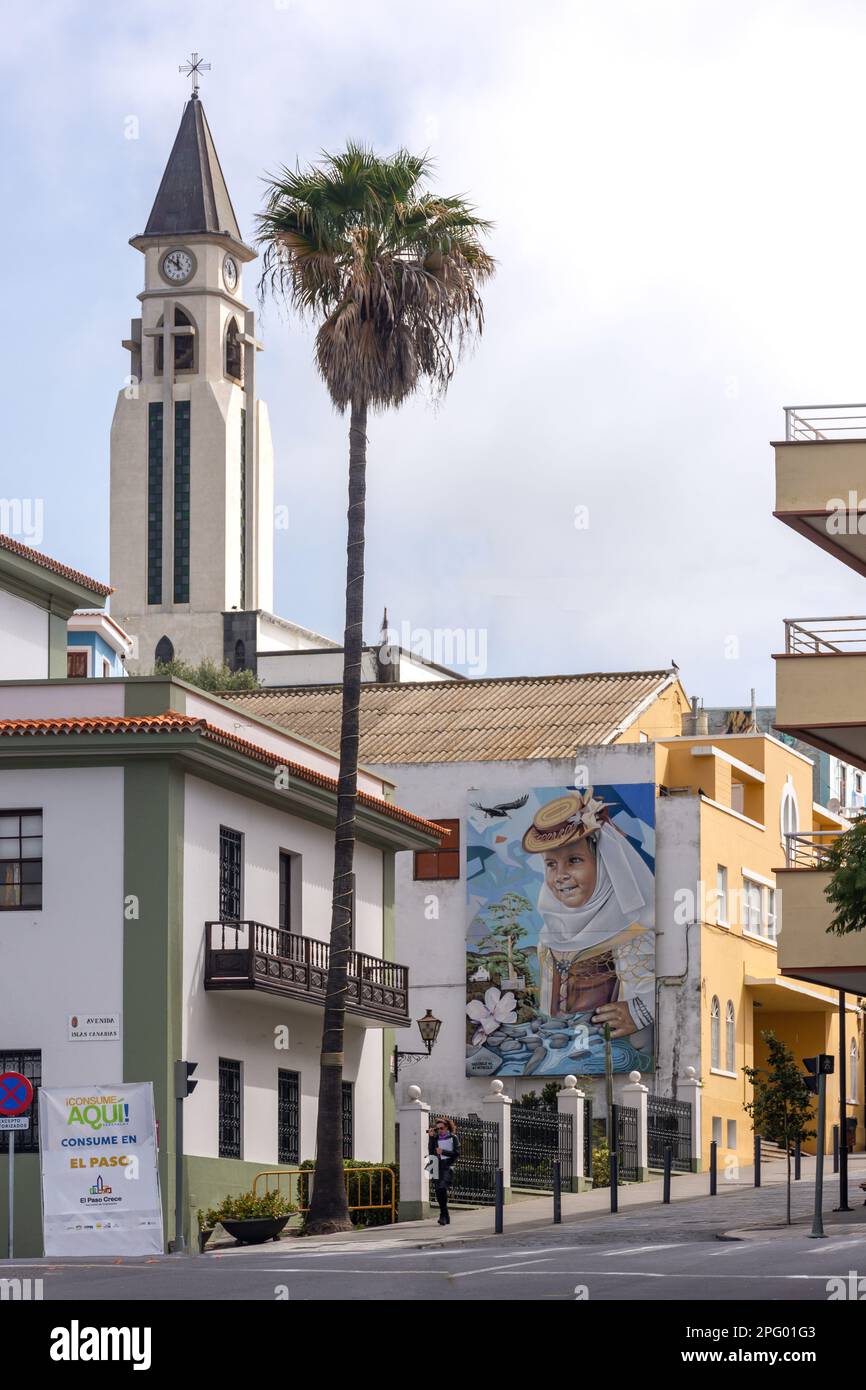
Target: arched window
234,352
730,1037
240,656
164,652
853,1083
789,814
715,1034
184,344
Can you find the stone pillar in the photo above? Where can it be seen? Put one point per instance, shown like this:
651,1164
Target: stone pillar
570,1101
689,1090
414,1121
637,1095
497,1106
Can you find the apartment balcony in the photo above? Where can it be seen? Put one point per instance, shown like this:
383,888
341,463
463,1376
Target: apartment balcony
821,478
821,685
805,950
252,956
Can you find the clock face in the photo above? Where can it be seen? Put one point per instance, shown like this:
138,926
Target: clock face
177,266
230,273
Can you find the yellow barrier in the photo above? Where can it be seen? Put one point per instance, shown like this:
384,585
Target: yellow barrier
299,1194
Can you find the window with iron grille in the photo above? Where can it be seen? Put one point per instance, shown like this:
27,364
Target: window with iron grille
231,874
444,862
288,1117
20,860
28,1064
348,1120
230,1109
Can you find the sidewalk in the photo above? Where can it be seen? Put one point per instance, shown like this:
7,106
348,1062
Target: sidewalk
524,1214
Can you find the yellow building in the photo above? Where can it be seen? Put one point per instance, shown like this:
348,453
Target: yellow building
745,791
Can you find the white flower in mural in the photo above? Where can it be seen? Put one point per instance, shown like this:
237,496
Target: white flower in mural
497,1008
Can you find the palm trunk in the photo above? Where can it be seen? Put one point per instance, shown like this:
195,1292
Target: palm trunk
329,1209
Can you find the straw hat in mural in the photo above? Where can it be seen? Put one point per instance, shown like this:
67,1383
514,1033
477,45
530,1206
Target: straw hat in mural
567,818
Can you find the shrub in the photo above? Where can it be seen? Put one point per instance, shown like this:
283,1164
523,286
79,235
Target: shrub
245,1206
601,1166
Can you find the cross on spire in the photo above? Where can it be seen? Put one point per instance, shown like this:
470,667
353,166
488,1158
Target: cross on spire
191,68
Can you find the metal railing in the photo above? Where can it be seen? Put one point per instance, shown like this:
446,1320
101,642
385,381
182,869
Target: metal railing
301,950
811,422
669,1125
367,1189
816,636
809,849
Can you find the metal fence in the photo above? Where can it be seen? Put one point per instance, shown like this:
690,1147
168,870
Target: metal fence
809,849
669,1124
475,1170
538,1139
626,1142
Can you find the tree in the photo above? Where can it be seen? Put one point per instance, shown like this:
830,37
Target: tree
504,930
207,675
781,1107
845,857
390,273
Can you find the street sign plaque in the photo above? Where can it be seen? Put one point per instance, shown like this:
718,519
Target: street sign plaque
15,1122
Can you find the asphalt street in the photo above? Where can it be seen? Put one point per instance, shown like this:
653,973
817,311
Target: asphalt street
656,1253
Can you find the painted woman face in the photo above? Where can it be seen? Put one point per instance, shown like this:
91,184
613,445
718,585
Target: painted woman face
570,872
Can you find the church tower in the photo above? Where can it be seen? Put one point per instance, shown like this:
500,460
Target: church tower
192,512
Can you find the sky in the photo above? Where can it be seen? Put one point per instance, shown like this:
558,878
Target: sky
678,200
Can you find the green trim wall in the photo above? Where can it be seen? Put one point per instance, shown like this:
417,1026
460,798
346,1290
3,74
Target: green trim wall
57,638
389,1081
153,945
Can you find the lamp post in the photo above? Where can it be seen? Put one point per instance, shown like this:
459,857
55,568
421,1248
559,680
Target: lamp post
428,1027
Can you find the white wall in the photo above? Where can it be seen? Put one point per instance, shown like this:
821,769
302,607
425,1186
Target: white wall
68,957
242,1026
24,649
434,948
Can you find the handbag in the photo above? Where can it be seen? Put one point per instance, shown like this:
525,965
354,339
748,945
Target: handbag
432,1167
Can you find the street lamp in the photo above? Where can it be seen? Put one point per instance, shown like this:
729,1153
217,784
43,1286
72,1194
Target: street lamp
428,1027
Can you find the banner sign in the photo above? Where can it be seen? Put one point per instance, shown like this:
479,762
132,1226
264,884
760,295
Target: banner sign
100,1181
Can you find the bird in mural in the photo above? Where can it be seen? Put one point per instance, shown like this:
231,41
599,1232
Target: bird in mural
501,811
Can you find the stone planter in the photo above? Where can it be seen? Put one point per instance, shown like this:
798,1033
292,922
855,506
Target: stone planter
256,1230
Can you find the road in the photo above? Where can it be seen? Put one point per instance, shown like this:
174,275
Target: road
655,1253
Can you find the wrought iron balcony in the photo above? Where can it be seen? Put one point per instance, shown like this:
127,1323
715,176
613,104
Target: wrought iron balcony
824,422
250,955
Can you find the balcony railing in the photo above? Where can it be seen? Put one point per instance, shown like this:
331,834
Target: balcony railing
814,636
817,422
809,849
250,955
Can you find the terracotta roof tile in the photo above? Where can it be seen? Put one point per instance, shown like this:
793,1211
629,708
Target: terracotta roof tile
473,720
45,562
172,722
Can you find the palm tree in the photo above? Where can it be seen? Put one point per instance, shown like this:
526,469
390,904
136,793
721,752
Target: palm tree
390,272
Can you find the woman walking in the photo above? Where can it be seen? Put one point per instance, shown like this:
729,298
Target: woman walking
443,1146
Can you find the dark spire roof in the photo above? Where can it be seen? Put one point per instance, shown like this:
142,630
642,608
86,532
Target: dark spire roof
193,196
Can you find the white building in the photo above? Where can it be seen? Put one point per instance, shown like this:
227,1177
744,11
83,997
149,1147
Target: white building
167,867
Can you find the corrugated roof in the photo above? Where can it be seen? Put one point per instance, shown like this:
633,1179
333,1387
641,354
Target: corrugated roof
173,723
472,720
45,562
